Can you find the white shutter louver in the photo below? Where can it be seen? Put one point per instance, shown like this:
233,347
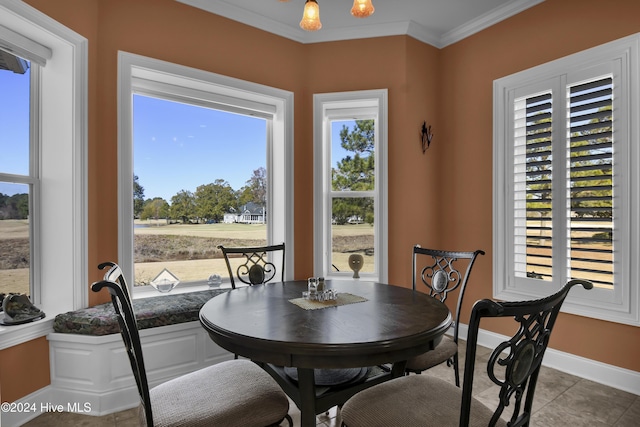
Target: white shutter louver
591,181
533,204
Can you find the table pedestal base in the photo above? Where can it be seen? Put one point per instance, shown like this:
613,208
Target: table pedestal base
312,400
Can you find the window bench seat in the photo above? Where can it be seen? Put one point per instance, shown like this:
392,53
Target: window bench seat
151,312
87,358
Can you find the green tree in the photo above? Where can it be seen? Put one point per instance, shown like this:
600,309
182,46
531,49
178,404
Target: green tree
155,208
361,139
213,200
256,189
15,206
138,197
355,173
353,207
591,169
21,202
183,206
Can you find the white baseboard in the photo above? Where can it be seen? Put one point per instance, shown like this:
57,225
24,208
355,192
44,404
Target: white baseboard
609,375
26,408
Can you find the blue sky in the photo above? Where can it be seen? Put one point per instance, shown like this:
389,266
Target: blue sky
176,146
14,123
179,147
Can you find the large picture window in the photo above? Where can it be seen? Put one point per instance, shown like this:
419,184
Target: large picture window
565,192
200,180
206,160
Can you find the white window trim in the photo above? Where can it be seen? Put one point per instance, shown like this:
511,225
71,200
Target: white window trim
622,304
139,74
343,105
62,238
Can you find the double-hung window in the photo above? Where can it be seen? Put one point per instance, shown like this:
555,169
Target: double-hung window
19,178
565,185
350,184
43,128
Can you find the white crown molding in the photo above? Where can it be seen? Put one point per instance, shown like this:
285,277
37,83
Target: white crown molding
486,20
361,32
410,28
421,33
250,18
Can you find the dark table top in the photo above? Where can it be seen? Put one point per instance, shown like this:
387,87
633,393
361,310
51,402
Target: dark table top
259,322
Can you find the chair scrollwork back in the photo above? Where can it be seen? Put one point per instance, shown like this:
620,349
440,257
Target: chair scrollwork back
257,265
514,364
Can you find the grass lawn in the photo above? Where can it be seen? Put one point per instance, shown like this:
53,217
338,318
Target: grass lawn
187,250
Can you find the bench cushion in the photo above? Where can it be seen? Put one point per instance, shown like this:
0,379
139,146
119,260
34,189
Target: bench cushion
150,312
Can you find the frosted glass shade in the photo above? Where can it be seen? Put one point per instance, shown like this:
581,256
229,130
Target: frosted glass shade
311,16
362,8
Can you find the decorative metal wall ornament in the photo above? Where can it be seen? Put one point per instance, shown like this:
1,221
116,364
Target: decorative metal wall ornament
425,136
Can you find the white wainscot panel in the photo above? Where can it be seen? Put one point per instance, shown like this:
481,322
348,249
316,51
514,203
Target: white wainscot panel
96,370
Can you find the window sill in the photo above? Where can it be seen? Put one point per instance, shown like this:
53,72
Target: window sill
14,335
151,292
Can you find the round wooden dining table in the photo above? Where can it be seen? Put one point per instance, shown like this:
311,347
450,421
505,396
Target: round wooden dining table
370,324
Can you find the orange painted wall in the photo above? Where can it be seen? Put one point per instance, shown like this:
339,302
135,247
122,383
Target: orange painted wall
550,30
24,369
408,69
450,88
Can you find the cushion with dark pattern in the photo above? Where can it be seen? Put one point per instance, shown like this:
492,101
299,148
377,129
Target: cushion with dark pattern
150,312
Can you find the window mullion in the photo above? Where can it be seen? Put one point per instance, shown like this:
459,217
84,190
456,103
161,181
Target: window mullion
559,181
35,195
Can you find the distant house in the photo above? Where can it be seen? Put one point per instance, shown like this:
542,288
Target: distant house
251,213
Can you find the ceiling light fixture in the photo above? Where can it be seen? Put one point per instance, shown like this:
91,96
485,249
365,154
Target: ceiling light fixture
311,14
362,8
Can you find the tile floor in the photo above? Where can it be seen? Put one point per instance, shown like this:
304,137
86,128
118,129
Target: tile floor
561,400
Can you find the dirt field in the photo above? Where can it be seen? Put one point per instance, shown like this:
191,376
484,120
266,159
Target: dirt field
188,251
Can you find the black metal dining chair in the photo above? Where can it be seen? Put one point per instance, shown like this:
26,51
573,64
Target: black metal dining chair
257,264
231,393
514,365
442,272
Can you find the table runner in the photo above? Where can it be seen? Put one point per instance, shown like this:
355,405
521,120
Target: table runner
343,299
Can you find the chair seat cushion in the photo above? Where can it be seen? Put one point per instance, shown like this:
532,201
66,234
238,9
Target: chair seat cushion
443,351
412,401
232,393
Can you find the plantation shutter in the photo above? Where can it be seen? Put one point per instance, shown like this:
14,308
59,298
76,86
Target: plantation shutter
566,155
533,186
591,181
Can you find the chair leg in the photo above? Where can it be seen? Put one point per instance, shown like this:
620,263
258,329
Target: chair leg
456,369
